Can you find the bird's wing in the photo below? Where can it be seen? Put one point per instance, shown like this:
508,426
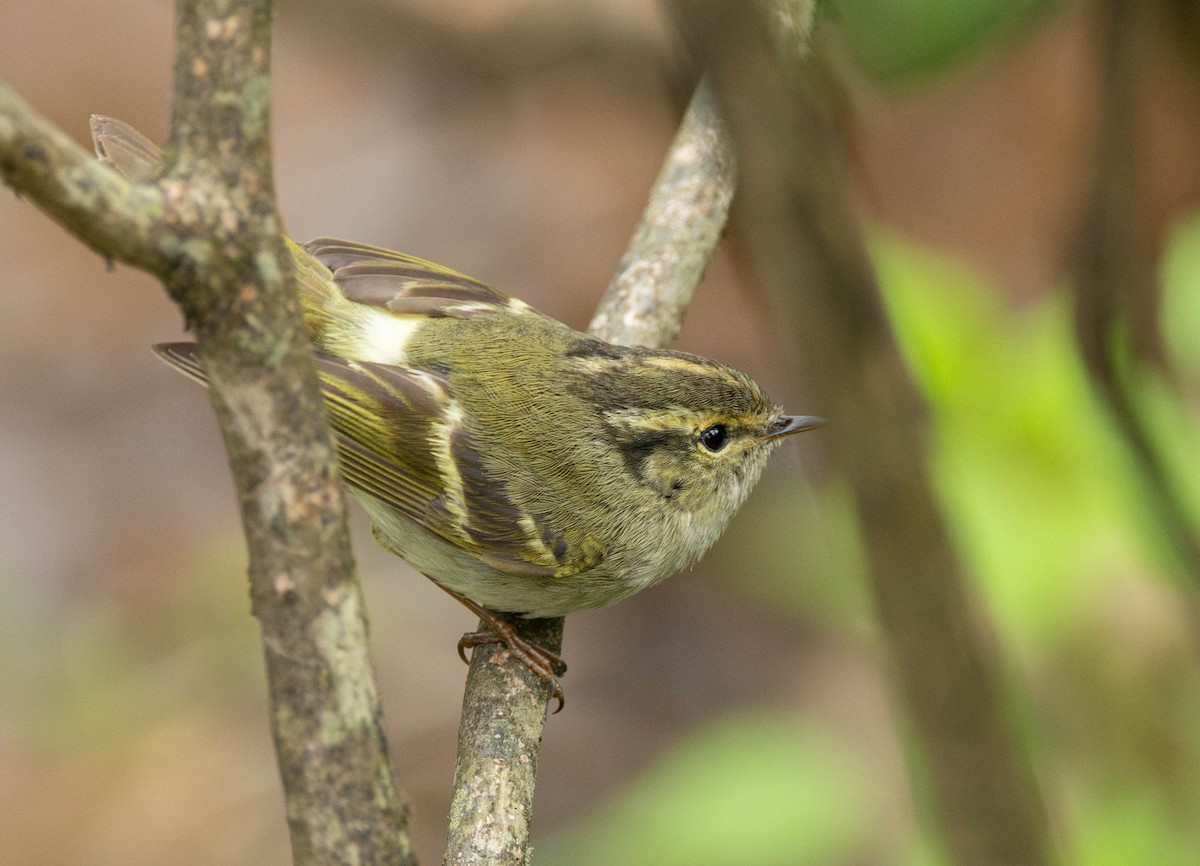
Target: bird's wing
401,439
404,284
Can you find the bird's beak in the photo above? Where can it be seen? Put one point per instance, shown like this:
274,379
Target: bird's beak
786,425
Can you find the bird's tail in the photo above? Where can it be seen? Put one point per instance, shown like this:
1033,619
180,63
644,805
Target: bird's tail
133,155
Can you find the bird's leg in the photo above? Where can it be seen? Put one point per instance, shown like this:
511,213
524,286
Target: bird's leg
538,659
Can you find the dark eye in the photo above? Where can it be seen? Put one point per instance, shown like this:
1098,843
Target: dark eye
714,438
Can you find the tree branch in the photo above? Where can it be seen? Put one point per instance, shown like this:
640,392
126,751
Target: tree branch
805,237
342,802
208,227
504,708
116,218
645,303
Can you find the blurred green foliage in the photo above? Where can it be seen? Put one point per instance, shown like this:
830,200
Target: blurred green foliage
1181,303
1032,477
746,789
85,677
897,41
786,522
1035,481
1051,518
1047,512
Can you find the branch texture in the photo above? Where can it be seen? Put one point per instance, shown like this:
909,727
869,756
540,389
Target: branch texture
645,303
205,223
118,219
504,708
232,283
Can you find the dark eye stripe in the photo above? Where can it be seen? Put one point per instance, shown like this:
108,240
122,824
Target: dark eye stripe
636,451
714,438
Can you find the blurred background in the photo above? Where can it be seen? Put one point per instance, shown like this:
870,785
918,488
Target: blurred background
742,712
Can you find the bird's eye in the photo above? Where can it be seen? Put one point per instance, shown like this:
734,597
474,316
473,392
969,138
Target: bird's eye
714,438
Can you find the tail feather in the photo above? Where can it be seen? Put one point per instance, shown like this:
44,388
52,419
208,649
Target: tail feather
337,321
124,149
184,357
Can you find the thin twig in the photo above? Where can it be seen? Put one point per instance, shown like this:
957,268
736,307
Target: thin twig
645,303
117,219
504,707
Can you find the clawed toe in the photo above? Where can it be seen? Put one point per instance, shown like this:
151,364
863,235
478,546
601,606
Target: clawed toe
546,664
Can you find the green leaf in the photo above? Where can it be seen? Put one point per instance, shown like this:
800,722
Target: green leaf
899,40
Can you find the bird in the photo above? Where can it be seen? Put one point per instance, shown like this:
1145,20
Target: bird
527,468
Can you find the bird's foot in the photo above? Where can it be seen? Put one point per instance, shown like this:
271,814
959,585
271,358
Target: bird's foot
547,665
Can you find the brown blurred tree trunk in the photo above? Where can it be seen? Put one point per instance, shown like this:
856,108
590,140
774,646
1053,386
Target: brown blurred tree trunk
799,224
1117,290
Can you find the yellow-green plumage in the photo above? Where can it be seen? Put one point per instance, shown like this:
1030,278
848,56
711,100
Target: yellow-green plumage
522,465
515,461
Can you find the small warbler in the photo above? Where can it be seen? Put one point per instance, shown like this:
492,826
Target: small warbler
523,466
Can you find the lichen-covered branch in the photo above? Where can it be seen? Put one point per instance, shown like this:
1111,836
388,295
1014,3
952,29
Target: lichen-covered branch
118,219
499,741
804,234
342,802
206,225
504,708
645,303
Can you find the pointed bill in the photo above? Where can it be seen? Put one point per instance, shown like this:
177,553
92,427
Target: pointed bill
786,425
